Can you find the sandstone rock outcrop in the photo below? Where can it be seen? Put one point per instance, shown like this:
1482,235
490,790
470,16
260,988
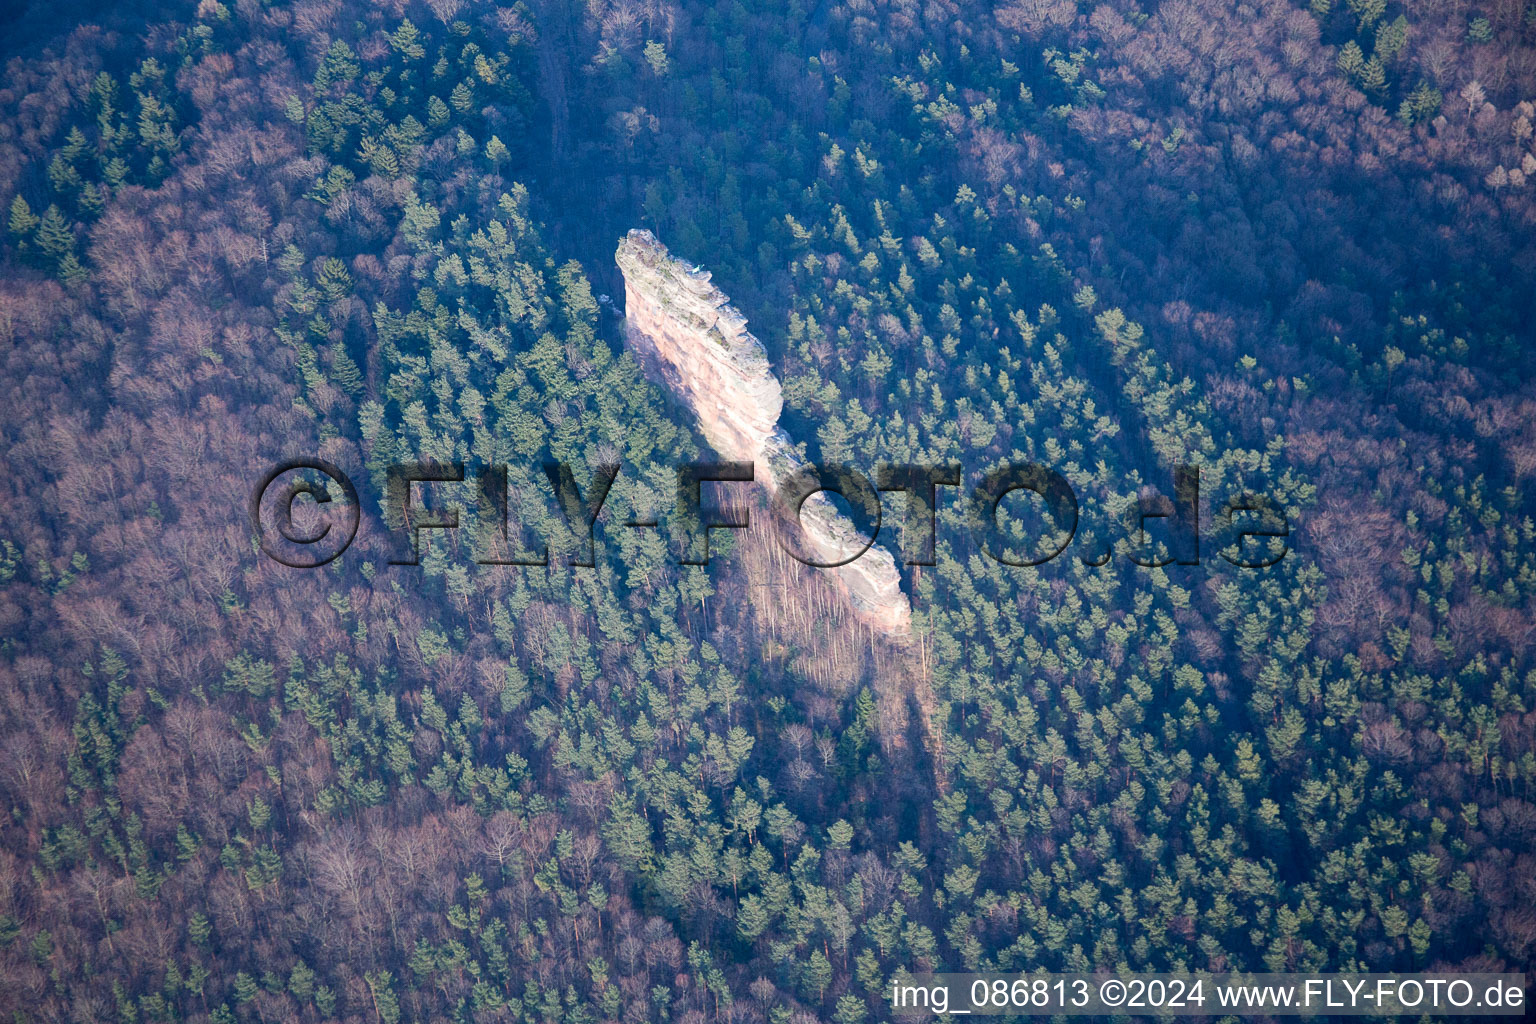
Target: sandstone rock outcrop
685,331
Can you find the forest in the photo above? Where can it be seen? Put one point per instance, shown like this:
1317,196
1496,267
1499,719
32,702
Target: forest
1289,242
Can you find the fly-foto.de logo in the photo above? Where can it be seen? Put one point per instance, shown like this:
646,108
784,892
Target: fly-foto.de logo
1017,514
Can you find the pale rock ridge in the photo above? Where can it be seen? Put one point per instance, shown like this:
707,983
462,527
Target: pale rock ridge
684,330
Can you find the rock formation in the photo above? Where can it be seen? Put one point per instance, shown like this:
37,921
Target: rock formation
685,331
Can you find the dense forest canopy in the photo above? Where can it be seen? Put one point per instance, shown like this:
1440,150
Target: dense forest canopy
1290,242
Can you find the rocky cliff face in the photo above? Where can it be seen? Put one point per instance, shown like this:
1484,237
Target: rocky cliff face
685,331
